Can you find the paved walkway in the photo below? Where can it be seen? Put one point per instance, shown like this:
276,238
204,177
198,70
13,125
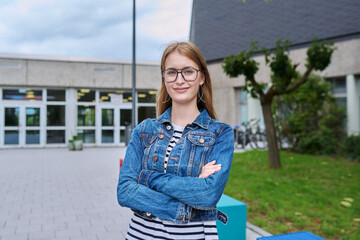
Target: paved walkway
59,194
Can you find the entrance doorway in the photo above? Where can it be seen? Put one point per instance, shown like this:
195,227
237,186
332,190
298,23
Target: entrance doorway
22,125
113,121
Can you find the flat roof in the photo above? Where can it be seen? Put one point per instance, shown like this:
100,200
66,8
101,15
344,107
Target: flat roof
61,58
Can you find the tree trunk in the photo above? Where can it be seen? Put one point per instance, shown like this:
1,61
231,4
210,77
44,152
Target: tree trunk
273,151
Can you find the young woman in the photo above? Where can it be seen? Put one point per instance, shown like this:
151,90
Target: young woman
176,166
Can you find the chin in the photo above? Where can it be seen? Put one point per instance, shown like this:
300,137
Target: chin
184,100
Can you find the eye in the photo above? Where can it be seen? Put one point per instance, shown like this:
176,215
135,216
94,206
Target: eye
171,72
188,71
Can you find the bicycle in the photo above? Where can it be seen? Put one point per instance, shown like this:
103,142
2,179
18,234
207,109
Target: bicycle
250,133
257,135
243,136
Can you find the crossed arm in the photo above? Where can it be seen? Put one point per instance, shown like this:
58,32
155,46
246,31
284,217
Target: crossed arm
203,191
174,192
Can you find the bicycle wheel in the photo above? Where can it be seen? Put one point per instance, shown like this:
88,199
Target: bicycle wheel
253,141
261,141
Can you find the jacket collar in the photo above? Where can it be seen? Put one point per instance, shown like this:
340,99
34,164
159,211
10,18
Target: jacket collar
202,120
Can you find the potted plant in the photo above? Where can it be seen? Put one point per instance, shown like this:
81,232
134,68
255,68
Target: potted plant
71,145
76,143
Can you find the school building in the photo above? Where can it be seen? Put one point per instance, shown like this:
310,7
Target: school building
45,101
223,28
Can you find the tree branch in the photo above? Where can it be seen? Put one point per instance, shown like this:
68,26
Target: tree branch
272,92
302,80
257,86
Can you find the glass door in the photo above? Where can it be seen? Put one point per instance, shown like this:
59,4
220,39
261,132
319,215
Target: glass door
11,126
125,125
107,127
32,126
22,125
114,120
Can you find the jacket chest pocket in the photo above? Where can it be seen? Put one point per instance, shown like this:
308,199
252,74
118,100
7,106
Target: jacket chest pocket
198,151
149,142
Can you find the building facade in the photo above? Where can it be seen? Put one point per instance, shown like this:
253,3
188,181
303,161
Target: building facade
46,101
223,28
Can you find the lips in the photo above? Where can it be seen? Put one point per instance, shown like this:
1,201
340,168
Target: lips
181,90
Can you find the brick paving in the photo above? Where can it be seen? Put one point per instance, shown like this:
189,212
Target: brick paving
54,193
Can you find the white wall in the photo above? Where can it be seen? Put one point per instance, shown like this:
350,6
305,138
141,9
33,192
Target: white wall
352,105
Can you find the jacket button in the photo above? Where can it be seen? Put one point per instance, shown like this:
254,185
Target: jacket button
168,127
155,158
161,136
201,140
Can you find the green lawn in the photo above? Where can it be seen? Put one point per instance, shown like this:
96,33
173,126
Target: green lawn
307,194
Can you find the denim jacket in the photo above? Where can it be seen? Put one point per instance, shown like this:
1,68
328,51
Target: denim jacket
179,194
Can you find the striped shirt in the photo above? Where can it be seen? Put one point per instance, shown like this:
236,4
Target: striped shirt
146,229
178,130
149,229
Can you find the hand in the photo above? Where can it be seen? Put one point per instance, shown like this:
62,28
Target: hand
209,169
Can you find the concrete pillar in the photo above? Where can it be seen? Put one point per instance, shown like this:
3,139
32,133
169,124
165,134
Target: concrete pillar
352,105
71,113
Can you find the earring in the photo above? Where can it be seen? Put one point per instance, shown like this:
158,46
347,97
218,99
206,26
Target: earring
201,89
167,99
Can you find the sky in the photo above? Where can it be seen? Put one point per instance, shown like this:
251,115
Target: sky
92,28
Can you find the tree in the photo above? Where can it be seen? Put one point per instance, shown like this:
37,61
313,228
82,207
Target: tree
282,78
309,118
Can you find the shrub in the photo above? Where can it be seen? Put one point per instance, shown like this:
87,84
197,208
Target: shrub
351,147
310,119
321,142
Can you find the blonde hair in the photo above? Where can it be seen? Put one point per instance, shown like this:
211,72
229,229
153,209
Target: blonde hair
205,101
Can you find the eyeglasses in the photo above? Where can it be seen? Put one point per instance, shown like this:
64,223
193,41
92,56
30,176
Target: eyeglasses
189,74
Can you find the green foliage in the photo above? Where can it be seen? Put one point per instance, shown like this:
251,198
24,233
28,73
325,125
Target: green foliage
320,142
283,72
319,54
243,64
282,69
284,78
76,138
305,195
309,118
351,147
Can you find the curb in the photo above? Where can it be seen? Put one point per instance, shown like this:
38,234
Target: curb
257,230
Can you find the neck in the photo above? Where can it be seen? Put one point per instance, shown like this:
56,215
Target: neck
183,114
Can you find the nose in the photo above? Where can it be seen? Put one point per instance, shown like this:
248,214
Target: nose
180,77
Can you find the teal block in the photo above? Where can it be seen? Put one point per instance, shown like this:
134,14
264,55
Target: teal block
293,236
235,229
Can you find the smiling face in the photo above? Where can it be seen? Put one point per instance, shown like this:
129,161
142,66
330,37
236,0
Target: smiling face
181,91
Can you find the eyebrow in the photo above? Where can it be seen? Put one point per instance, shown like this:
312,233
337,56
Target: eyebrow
179,68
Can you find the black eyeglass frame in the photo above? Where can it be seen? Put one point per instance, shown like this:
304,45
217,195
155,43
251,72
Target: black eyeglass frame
180,70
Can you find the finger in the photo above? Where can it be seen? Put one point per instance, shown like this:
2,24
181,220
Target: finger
211,163
210,167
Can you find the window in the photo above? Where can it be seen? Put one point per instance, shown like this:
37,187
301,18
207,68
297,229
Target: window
32,116
86,116
125,117
22,94
55,136
55,115
339,90
146,112
88,136
243,105
147,96
339,85
56,95
86,95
